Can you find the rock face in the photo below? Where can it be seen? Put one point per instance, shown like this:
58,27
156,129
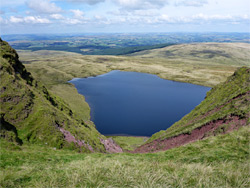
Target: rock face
30,113
111,146
225,108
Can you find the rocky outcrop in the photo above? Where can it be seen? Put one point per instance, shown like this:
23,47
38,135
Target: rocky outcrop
111,146
70,138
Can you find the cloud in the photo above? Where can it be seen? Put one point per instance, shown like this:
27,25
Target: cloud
2,21
43,6
78,14
204,19
29,19
2,12
73,21
57,16
90,2
197,19
141,13
215,17
225,19
140,4
191,3
14,19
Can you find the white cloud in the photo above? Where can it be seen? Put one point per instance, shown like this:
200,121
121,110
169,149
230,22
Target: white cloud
90,2
43,6
212,17
145,13
2,21
100,18
142,13
78,14
225,19
192,3
197,19
33,19
14,19
203,18
57,16
29,19
140,4
165,18
73,21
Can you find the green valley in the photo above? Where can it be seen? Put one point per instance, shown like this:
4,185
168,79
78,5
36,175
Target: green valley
48,140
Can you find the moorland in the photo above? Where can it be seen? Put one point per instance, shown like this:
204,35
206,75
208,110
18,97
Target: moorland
48,140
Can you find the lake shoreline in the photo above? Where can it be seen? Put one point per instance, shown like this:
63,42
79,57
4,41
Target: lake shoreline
124,135
124,103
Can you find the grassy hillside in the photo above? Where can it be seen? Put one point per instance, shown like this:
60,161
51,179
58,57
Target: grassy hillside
226,107
234,54
221,161
31,114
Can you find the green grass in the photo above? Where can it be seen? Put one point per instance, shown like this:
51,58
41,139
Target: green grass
221,161
75,101
129,142
36,113
222,97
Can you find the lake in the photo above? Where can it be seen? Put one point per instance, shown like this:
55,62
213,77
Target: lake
138,104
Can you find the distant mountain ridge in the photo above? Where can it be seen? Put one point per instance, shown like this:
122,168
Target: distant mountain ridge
31,114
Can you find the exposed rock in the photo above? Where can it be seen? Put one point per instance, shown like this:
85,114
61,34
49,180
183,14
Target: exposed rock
209,129
111,146
70,138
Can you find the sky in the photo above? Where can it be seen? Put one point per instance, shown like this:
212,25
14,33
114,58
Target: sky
123,16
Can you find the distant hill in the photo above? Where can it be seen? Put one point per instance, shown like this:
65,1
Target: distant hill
235,54
31,114
225,108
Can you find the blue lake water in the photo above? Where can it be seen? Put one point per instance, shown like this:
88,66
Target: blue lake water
140,104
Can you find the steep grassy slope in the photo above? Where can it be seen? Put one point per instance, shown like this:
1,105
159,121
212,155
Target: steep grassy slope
31,114
226,107
220,161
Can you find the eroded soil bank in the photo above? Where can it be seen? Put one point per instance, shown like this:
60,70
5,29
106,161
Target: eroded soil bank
212,128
